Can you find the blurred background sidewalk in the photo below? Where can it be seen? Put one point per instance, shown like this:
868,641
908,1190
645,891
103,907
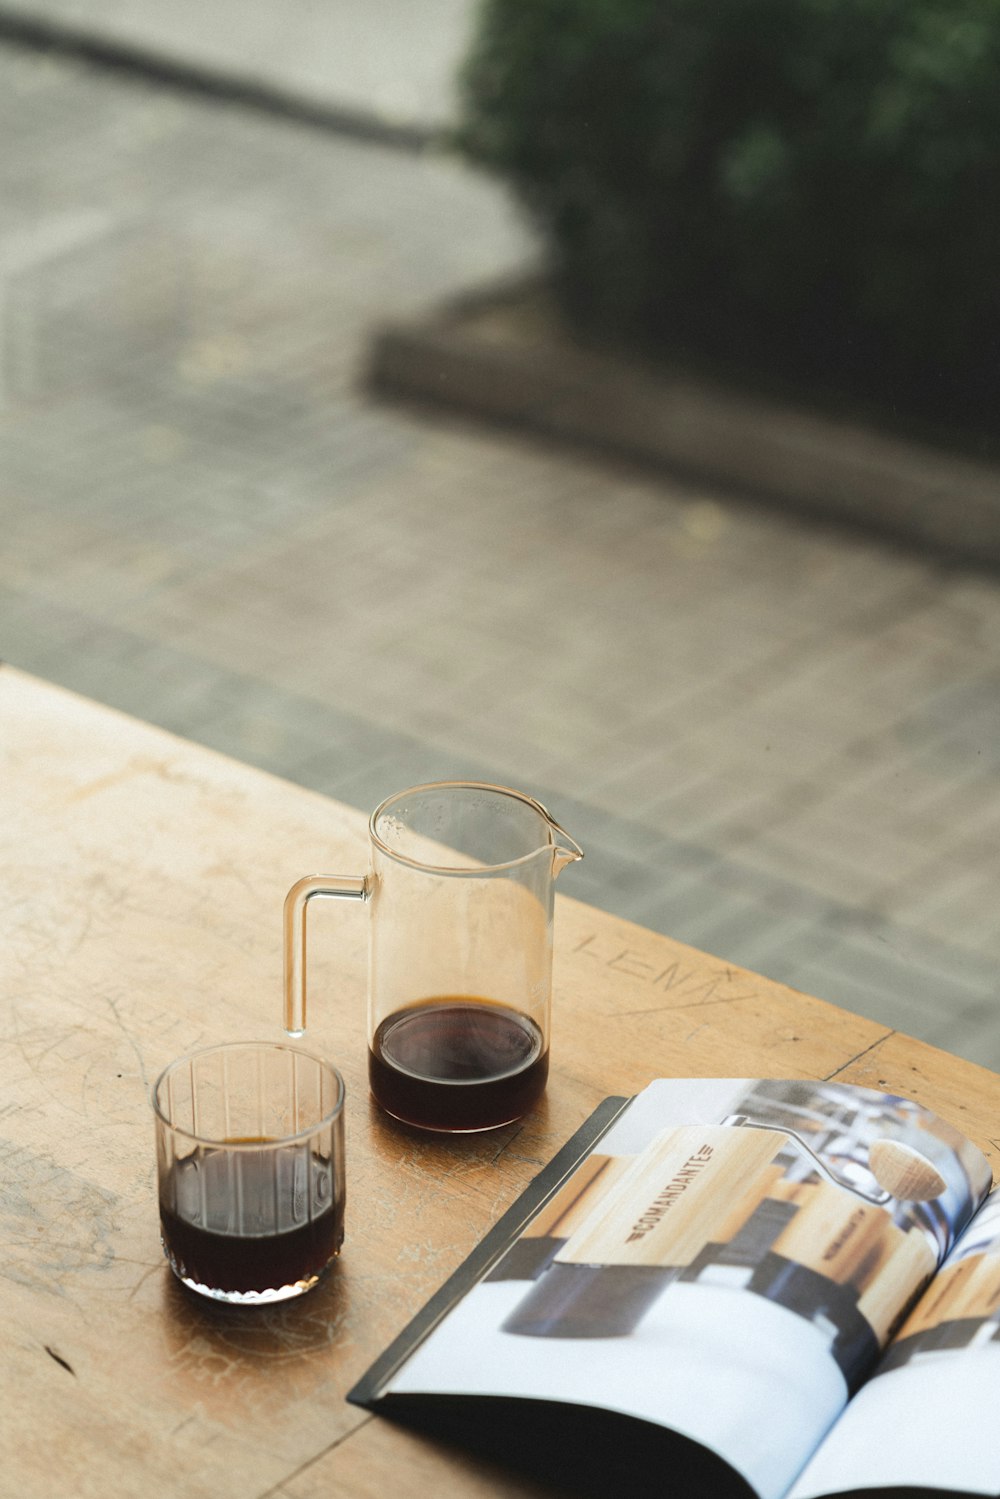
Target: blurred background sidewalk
387,63
774,740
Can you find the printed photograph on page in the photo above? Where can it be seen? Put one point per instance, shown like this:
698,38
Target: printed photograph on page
729,1262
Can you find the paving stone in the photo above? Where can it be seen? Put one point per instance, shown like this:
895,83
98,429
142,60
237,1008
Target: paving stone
772,739
374,60
945,999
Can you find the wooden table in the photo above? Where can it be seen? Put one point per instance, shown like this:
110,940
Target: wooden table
142,881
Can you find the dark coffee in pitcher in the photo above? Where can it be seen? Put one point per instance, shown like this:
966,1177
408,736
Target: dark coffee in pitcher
457,1063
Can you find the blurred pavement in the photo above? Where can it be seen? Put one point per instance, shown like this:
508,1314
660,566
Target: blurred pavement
391,62
774,740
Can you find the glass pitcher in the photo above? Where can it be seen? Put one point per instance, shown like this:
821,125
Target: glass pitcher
460,891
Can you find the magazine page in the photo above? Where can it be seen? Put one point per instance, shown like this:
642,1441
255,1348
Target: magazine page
927,1419
726,1263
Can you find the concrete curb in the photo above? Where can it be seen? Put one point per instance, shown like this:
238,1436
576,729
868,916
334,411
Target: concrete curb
502,355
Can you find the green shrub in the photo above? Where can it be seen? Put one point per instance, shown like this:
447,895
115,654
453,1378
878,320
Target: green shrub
811,186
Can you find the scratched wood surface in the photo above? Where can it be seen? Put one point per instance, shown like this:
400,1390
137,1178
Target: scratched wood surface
141,881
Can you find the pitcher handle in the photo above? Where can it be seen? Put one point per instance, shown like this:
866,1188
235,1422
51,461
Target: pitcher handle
298,897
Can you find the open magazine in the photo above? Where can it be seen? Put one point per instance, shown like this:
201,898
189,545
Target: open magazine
787,1289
